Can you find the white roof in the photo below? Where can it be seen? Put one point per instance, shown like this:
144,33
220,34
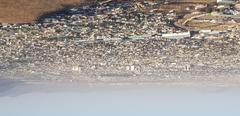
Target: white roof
226,1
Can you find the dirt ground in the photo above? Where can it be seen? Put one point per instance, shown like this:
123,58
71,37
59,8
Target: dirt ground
23,11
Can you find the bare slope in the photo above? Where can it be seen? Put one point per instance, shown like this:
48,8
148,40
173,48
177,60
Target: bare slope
22,11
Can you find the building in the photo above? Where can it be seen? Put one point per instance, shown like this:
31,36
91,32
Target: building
227,2
177,35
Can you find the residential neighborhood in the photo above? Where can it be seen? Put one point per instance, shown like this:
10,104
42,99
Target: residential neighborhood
135,39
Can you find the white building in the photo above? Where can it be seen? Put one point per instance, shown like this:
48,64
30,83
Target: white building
177,35
227,2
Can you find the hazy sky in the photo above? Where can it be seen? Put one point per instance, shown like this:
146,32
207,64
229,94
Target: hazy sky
44,100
